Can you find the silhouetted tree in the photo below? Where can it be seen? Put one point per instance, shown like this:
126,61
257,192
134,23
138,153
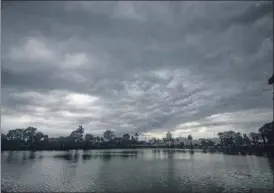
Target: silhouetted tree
16,134
89,137
38,136
267,132
189,137
136,136
238,139
168,136
109,135
254,137
77,135
126,136
29,134
3,136
246,139
227,138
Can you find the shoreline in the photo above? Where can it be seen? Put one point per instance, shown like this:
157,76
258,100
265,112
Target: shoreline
265,151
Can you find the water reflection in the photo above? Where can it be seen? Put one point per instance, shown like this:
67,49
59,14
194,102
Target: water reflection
25,156
10,156
271,166
105,155
32,155
136,171
70,156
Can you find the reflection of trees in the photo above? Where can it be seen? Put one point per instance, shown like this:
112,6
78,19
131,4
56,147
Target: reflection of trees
10,156
32,155
70,156
191,151
24,155
106,157
271,165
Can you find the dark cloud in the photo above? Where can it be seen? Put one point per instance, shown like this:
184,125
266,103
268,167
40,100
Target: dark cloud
145,67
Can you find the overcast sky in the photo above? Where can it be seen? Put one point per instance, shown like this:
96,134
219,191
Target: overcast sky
149,67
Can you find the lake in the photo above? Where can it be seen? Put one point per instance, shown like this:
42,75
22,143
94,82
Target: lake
142,170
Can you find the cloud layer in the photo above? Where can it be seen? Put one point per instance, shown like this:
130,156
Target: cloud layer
147,67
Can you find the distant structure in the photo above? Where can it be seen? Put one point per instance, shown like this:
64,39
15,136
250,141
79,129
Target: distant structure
271,82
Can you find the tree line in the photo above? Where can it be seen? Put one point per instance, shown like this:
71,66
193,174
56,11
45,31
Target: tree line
232,138
32,139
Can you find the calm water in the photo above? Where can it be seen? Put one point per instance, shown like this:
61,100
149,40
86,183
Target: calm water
144,170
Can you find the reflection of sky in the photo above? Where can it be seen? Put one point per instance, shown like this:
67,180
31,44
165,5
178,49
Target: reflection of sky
149,170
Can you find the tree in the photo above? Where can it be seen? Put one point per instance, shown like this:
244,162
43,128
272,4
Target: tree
238,139
77,135
136,136
29,134
97,139
16,134
109,135
227,138
46,138
153,140
89,137
168,136
267,132
3,136
246,139
39,135
189,137
254,137
210,143
101,139
126,136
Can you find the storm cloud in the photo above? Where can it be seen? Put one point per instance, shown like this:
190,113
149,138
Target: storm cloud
148,67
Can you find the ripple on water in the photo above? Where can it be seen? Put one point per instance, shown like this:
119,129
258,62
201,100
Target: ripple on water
166,172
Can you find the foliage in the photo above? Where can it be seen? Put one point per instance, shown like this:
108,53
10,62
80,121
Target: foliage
77,135
31,138
267,132
168,136
109,135
126,136
89,137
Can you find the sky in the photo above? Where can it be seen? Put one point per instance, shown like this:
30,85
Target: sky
149,67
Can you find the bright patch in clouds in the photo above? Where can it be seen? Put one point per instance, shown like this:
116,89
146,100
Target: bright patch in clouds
80,99
75,60
31,50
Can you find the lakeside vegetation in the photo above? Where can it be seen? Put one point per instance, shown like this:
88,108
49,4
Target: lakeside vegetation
230,142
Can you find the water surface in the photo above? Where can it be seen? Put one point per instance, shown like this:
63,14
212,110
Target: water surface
143,170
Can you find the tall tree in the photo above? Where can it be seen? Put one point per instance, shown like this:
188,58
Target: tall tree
238,139
254,137
136,136
29,134
168,136
246,139
77,135
109,135
227,137
16,134
189,137
39,135
267,132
